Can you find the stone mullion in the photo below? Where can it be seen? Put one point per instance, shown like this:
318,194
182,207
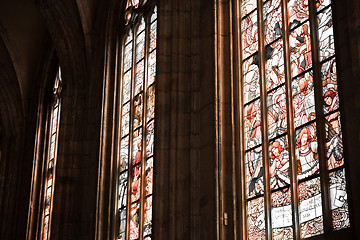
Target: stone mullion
264,120
131,135
320,119
238,116
290,122
144,128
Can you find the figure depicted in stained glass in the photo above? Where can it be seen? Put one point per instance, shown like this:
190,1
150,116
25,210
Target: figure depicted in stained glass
137,111
134,223
279,165
298,12
272,19
251,80
304,101
334,143
255,172
275,74
250,33
307,152
277,113
300,42
252,123
326,34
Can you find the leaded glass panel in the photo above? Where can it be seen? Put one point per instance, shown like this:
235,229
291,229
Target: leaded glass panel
137,123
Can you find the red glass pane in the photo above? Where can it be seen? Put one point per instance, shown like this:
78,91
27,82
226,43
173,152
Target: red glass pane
279,163
298,12
249,31
252,123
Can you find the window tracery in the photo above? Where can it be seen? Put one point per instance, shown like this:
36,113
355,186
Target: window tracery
293,154
137,103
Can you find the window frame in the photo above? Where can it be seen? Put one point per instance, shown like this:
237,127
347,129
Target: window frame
129,24
240,179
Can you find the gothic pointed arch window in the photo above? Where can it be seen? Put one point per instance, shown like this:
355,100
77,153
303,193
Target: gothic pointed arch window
51,156
292,149
137,73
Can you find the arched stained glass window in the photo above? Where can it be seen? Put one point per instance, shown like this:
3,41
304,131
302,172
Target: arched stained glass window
49,176
293,157
136,135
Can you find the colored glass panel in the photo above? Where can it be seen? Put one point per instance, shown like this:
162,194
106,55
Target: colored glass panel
306,151
125,120
326,34
254,172
124,153
136,183
247,6
277,112
150,139
152,67
250,35
300,46
150,103
274,65
252,123
330,87
279,163
251,79
134,221
149,177
153,35
148,216
321,4
139,76
256,219
154,15
298,12
126,87
338,200
310,208
303,99
128,57
281,214
138,111
272,20
140,46
122,224
123,180
137,146
334,142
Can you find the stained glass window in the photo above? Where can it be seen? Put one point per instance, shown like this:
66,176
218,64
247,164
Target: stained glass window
49,176
292,142
136,110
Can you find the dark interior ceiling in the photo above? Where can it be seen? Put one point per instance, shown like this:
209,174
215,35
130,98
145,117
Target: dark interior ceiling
24,34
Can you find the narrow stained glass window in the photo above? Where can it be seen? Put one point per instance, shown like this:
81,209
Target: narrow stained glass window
49,176
292,138
137,112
